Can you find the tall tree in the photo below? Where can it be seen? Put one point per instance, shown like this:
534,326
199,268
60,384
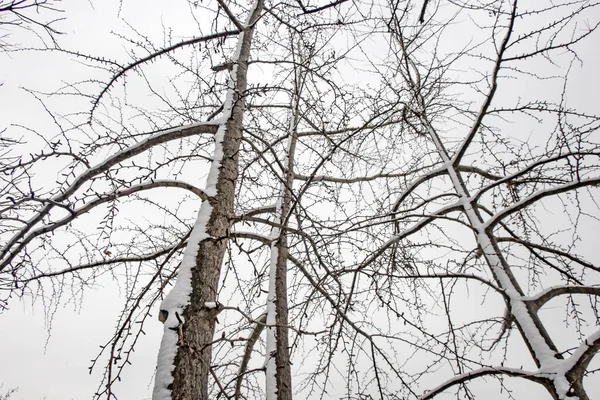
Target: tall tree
191,308
328,199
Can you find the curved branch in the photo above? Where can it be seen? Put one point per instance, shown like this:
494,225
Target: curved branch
467,376
545,296
491,223
98,201
407,232
531,167
159,53
153,140
581,358
416,183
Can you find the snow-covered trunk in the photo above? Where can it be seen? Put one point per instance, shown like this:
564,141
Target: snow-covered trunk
277,363
190,310
537,339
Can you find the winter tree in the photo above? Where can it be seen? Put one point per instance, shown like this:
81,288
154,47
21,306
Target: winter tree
356,200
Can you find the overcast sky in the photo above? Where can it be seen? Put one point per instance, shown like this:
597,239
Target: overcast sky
52,364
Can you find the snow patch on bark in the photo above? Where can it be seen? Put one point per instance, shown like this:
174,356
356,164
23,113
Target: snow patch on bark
174,304
271,349
179,297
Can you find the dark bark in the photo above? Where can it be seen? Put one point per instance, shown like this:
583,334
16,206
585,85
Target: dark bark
193,359
282,358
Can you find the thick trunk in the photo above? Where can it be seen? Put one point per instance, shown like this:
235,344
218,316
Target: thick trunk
186,373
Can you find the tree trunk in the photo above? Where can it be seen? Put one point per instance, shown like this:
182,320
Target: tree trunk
278,366
195,326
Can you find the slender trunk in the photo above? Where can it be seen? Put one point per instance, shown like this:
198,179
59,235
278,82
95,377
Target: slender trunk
278,367
189,311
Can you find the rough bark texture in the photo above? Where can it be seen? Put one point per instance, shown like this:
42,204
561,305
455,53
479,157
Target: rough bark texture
193,359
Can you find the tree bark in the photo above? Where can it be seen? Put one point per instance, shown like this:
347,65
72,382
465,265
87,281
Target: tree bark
192,364
281,376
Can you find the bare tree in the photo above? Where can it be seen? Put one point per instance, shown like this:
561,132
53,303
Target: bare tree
350,177
493,182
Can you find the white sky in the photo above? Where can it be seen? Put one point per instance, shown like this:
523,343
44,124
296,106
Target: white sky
56,367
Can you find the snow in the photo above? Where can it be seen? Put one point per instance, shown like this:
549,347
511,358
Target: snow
558,370
476,373
130,151
544,292
210,305
159,137
179,297
175,302
550,366
271,347
213,175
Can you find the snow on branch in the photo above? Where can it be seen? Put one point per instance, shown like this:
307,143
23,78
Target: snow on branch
73,214
467,376
157,138
546,295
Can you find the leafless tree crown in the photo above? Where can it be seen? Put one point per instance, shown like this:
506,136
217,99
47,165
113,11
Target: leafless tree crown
392,200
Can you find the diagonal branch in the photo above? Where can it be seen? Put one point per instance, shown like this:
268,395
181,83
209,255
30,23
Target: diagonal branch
159,53
326,6
488,99
230,15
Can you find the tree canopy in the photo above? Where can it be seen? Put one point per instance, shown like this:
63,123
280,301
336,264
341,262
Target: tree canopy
382,199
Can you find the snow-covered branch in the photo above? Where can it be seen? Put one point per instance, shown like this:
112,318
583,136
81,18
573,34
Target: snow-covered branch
100,199
538,300
17,240
468,376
